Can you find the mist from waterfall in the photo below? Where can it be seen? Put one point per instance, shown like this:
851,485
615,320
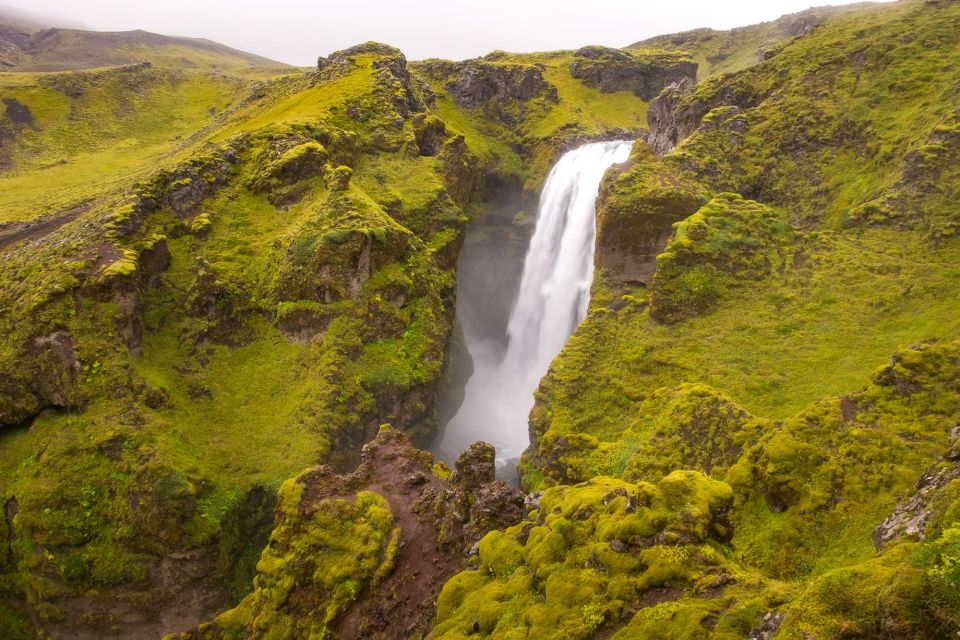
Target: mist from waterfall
552,299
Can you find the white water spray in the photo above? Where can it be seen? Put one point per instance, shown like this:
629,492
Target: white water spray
553,298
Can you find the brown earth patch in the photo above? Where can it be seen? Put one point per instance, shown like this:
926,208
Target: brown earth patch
14,232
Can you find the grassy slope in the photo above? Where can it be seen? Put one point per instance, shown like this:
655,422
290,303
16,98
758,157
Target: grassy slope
720,52
835,304
117,127
72,49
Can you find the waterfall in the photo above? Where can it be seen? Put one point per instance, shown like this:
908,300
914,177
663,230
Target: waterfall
553,297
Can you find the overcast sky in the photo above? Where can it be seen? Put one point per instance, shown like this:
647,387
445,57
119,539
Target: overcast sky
297,31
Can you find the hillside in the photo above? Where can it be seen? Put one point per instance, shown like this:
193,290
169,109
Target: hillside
228,325
768,311
719,52
69,49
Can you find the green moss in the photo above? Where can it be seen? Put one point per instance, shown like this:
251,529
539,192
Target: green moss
586,558
326,553
729,240
115,130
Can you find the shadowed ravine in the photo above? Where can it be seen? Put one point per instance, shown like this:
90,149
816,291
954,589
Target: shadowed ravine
552,299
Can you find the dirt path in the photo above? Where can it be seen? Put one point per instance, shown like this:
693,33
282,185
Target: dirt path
13,232
402,606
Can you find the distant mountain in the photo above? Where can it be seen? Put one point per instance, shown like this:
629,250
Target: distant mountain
31,21
719,52
68,49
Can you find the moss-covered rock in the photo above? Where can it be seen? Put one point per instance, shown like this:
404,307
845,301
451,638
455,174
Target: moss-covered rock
364,554
326,555
636,210
726,242
588,557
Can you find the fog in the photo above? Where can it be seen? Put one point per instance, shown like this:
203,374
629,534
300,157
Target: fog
297,31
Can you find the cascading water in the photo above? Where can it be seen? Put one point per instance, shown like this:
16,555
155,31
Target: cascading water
553,297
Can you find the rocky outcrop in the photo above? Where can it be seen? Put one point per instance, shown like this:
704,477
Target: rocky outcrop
478,82
395,527
180,189
669,121
644,74
391,66
481,502
911,517
499,88
636,211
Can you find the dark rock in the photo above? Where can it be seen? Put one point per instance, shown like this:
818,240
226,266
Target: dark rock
475,467
669,122
768,627
910,518
430,132
502,90
611,70
478,82
496,505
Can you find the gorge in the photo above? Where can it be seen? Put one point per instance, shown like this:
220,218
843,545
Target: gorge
550,301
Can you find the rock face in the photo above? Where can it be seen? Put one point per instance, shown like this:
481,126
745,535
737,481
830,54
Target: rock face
478,82
394,526
910,518
642,73
501,89
668,123
636,211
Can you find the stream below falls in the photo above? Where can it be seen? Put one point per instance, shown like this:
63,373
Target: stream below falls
547,303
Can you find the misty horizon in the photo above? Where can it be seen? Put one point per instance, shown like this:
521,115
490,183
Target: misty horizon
296,32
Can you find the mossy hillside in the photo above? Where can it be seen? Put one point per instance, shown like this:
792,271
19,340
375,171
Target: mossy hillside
319,559
591,555
708,392
177,327
812,306
95,131
722,52
727,241
832,473
924,195
827,123
807,496
819,328
68,49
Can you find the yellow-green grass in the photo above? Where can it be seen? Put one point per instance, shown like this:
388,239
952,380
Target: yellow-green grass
774,347
82,148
